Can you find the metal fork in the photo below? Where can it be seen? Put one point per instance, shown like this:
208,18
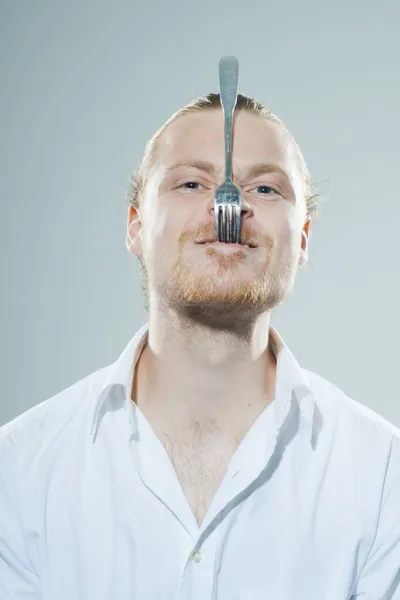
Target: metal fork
228,199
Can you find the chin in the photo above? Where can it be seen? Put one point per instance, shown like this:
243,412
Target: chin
225,288
225,296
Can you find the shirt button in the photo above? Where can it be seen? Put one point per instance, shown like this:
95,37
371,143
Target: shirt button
196,556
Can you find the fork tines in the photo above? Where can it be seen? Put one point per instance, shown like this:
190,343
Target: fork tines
227,223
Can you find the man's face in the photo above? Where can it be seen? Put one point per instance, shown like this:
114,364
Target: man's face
177,217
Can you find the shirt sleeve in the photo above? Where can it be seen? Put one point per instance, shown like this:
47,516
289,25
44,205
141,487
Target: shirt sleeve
17,578
380,576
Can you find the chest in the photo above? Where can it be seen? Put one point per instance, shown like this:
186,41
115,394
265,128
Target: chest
200,454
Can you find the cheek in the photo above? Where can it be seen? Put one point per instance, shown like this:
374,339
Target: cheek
286,224
154,221
287,233
153,215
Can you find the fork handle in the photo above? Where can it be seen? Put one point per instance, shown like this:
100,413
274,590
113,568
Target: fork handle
228,83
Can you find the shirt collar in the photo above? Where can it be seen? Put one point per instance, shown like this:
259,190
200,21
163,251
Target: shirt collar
117,386
292,383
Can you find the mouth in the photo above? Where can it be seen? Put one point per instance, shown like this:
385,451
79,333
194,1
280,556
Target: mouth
209,242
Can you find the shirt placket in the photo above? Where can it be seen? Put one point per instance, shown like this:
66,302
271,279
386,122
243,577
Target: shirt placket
198,576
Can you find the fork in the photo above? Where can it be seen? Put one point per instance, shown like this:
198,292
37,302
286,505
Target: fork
228,199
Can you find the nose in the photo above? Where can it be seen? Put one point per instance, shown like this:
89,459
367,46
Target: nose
247,210
245,213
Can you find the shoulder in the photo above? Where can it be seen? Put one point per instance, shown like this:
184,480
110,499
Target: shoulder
351,425
44,421
333,400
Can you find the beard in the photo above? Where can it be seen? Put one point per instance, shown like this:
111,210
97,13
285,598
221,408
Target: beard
222,296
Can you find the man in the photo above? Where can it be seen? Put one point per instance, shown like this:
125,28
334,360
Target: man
205,463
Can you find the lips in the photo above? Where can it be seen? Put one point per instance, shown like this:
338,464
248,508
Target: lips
214,241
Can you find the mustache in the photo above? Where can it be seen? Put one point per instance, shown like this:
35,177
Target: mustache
247,235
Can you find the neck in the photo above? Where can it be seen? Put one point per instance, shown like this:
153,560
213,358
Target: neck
190,370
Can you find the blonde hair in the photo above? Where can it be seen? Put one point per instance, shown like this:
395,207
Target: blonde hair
213,102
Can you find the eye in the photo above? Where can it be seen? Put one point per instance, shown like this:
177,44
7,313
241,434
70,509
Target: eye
191,185
265,190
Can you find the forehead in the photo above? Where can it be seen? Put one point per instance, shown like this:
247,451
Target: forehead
201,135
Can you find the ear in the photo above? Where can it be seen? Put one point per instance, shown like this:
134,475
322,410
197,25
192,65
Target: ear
133,239
304,243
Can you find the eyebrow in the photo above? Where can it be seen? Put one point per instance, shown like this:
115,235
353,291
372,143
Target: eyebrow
261,168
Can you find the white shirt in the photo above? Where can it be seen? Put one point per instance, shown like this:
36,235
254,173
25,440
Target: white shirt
91,508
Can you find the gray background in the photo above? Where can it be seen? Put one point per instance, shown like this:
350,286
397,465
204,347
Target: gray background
84,84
